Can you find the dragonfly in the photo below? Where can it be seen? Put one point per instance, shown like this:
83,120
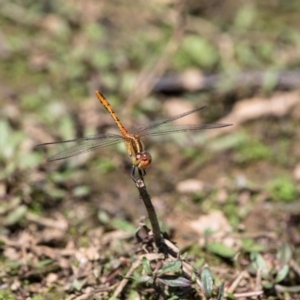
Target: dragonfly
140,158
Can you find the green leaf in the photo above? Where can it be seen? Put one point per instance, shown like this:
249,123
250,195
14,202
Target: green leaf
103,217
78,284
140,278
94,30
146,266
170,267
281,275
174,297
5,133
262,265
207,281
270,80
144,278
250,245
9,141
175,281
123,225
220,249
197,50
29,160
16,215
259,263
221,292
285,253
56,192
288,289
245,17
43,263
81,191
66,128
284,189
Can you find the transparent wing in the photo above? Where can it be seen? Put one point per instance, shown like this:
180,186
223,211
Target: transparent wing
84,145
168,129
167,120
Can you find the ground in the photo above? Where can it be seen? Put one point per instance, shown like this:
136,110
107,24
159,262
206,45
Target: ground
227,199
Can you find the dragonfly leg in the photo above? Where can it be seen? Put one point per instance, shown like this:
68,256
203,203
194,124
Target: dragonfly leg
132,174
141,172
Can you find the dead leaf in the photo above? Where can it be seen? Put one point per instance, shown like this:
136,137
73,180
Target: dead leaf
190,186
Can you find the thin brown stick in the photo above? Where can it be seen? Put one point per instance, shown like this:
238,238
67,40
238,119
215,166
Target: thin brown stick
158,240
236,282
293,264
248,294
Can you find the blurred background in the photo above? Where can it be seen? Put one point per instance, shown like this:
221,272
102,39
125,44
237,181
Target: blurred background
151,59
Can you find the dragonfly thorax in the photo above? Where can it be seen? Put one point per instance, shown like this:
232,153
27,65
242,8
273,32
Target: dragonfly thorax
133,145
142,160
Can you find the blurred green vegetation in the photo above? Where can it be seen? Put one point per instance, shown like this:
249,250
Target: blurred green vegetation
54,54
283,188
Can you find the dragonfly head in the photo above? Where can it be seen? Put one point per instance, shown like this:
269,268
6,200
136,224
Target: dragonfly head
142,160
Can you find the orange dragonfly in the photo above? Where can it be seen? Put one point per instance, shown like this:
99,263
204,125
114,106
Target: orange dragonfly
141,159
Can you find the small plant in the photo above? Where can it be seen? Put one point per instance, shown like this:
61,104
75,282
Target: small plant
174,277
273,274
283,189
251,151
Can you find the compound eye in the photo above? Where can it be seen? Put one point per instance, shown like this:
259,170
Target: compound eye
143,159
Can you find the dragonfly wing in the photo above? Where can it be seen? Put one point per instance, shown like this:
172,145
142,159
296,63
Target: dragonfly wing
84,145
167,120
168,129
